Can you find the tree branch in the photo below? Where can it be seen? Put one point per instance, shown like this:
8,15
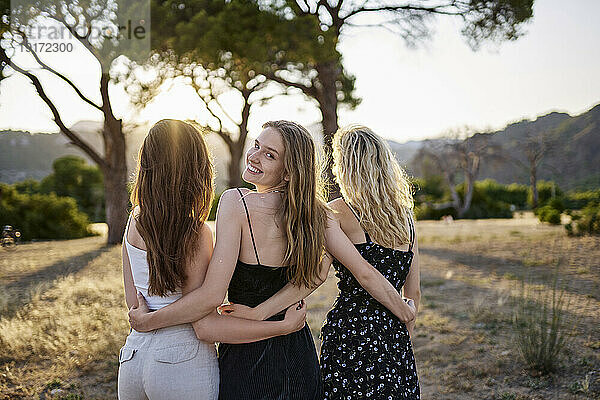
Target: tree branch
46,67
87,148
308,90
433,10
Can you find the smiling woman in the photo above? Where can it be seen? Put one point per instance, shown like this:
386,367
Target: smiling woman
264,166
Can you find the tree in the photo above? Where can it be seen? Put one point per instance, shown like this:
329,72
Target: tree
534,147
73,177
235,46
456,159
484,20
93,24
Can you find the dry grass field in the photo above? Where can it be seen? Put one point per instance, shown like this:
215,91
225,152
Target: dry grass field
63,318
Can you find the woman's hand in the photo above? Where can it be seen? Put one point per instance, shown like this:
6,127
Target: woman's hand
139,316
408,313
410,326
240,311
295,317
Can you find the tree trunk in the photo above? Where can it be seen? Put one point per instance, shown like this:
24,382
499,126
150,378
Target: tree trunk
533,181
115,170
117,200
468,197
328,102
235,174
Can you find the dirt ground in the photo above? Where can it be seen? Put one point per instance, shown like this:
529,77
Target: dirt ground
62,313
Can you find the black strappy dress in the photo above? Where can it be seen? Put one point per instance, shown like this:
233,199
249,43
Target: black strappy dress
366,352
281,368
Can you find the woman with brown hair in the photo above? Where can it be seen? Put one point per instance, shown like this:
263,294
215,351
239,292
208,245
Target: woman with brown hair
266,240
166,250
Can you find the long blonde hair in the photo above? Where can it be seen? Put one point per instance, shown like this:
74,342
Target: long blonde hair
174,188
374,184
304,209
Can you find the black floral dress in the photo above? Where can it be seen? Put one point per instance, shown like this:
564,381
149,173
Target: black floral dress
366,351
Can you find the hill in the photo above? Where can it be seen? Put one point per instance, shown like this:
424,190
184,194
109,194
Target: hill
573,161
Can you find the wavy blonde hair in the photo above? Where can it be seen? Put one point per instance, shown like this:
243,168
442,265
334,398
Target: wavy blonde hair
374,184
174,188
304,207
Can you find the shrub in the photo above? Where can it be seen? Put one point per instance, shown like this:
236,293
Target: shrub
514,193
540,323
212,215
485,203
546,191
578,200
587,222
431,189
42,216
548,214
424,212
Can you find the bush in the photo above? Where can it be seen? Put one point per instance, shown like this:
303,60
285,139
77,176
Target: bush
578,200
42,216
424,212
212,215
514,193
485,203
541,326
546,192
431,189
557,203
587,222
548,214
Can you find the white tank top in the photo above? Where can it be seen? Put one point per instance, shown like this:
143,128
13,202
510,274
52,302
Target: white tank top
141,279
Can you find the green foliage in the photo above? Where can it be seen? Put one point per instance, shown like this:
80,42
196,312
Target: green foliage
586,222
72,177
490,199
485,203
430,189
546,191
578,200
42,216
28,186
424,212
213,209
540,323
548,214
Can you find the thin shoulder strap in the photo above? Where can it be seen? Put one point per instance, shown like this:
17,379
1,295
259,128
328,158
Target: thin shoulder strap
412,232
128,224
249,225
367,238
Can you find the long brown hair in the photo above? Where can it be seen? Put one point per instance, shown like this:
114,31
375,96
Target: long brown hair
174,188
374,184
304,209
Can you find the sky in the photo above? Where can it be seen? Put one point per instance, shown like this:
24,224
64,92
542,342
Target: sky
407,93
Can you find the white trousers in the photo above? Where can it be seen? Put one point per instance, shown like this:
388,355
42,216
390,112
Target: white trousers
168,364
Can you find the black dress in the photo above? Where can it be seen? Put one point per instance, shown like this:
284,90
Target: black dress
366,351
280,368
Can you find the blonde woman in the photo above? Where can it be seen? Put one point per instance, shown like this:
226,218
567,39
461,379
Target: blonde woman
267,240
366,350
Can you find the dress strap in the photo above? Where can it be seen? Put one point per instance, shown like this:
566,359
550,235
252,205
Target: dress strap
128,224
249,225
411,226
367,238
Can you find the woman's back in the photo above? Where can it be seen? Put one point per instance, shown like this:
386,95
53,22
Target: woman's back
137,254
282,367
